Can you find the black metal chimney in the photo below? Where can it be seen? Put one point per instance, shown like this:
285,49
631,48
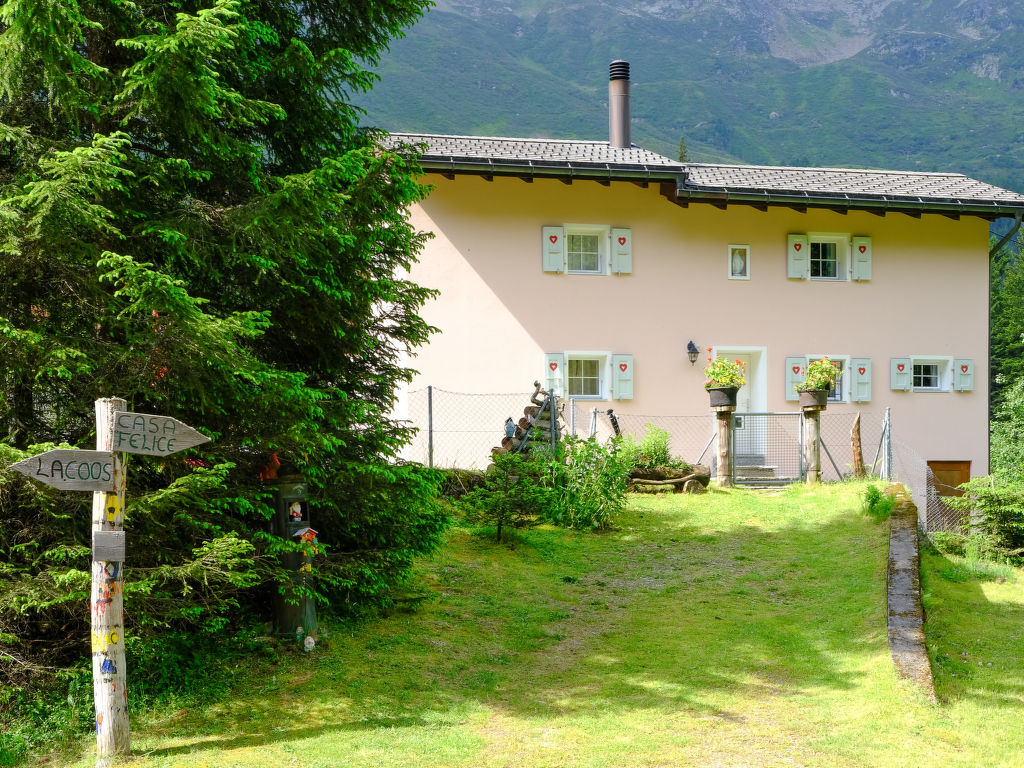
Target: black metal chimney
618,104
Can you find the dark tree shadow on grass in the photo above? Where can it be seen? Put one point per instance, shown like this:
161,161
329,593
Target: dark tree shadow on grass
679,622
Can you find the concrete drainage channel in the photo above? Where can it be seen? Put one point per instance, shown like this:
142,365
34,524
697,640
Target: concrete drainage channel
906,614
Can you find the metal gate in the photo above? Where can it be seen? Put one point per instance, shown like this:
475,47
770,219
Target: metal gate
768,448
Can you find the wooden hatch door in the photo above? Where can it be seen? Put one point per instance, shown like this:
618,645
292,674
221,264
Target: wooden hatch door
949,474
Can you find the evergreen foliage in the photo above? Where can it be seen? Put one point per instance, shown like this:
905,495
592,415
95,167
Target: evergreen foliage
1007,319
191,219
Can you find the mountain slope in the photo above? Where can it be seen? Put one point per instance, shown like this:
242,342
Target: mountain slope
902,84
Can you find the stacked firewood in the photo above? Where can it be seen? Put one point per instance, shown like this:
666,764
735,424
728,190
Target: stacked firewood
535,426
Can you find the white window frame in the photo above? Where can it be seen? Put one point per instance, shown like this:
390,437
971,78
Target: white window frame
844,381
842,243
603,247
604,373
729,264
945,372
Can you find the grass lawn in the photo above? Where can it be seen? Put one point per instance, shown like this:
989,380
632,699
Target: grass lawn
729,629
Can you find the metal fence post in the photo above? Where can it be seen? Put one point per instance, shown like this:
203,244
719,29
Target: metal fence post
430,426
572,416
593,422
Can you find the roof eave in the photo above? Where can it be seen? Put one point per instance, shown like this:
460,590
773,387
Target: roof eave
990,209
550,169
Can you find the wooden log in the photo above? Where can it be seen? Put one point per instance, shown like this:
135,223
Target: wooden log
510,443
858,452
498,451
525,422
700,477
531,411
698,472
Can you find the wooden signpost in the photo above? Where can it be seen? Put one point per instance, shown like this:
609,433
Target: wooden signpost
102,472
71,470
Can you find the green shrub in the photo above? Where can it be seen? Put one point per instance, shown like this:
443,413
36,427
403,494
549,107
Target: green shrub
877,505
651,452
998,502
516,492
590,483
949,543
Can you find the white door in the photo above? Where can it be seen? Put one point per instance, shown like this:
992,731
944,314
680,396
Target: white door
750,437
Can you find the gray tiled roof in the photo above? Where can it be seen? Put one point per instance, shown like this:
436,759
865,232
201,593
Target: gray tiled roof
904,185
734,183
559,151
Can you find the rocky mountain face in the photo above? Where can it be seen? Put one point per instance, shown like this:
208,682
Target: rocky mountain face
907,84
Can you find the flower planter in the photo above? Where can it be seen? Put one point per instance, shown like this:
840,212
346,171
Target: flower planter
813,398
723,396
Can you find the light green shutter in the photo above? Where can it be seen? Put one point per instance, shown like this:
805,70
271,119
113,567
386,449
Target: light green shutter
900,373
622,252
798,257
554,373
963,375
862,258
622,377
796,369
860,380
553,248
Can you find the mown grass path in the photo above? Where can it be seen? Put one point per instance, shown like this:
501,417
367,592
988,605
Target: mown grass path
730,629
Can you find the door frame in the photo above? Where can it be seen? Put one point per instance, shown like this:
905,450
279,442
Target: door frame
757,380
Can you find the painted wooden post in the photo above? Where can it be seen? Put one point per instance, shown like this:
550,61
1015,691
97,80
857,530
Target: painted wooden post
723,417
858,451
107,600
812,445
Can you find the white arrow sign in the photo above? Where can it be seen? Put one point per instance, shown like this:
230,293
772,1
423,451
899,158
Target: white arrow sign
154,435
71,470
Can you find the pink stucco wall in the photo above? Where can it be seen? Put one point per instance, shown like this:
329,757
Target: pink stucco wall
499,312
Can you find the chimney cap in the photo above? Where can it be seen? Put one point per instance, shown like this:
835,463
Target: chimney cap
618,70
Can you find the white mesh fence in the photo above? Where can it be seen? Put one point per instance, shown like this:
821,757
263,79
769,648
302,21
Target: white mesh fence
456,429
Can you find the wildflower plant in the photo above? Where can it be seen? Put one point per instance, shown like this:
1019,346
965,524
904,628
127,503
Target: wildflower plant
723,372
821,374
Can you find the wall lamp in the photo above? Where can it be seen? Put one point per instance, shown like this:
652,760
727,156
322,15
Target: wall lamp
692,352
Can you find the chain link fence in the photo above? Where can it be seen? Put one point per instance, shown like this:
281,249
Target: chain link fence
456,429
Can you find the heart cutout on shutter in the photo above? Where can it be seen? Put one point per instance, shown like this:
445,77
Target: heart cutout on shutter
862,371
797,246
623,367
553,366
796,370
963,368
862,248
900,367
553,239
622,241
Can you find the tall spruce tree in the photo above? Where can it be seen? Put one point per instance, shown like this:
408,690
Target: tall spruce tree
191,219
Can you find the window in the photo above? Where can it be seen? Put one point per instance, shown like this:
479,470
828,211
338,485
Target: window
823,260
827,256
930,374
739,262
584,376
590,375
586,250
584,253
926,376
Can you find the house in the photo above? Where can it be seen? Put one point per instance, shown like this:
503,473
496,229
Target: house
592,265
